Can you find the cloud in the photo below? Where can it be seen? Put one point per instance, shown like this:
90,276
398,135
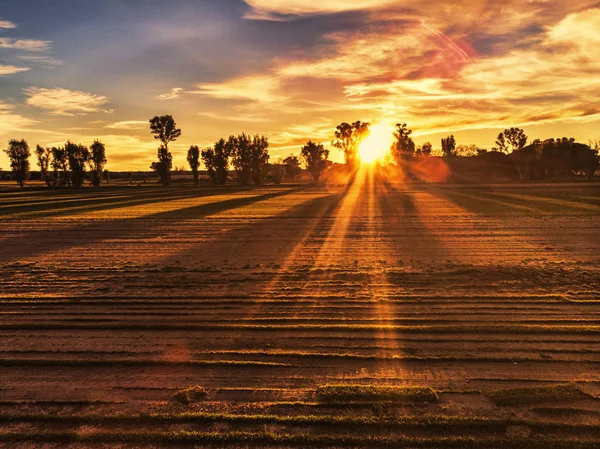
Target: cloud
64,101
44,61
131,124
11,122
11,69
24,44
260,88
172,94
7,24
273,9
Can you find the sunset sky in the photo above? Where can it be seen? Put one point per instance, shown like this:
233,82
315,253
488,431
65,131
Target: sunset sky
293,70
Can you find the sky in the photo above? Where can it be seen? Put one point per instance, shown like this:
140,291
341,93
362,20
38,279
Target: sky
293,70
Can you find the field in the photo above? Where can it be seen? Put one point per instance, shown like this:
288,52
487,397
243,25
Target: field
368,315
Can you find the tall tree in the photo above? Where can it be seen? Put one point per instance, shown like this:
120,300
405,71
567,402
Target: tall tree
163,166
60,166
260,158
348,138
316,158
216,161
241,152
164,129
18,153
449,146
44,156
404,147
193,158
509,140
78,156
97,162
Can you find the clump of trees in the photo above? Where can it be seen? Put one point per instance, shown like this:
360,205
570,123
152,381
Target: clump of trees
316,158
216,161
59,166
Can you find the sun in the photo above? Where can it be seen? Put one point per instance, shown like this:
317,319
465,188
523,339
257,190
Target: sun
377,144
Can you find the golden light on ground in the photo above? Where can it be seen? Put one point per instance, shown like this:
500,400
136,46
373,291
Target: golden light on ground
377,144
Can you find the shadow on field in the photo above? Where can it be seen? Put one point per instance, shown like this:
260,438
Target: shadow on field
36,242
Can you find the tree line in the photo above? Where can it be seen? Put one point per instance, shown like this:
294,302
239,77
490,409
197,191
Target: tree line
248,156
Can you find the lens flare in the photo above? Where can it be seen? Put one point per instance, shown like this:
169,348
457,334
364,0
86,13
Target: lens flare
377,144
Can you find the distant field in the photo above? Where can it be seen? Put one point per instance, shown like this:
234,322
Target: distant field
374,315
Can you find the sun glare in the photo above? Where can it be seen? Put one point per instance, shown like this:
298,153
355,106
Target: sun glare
377,144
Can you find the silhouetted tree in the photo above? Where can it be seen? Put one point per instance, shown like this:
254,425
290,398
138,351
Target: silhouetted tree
193,158
241,153
165,130
216,161
426,149
260,158
277,172
78,156
97,161
163,166
44,156
348,138
449,146
509,140
404,147
60,166
18,153
315,156
467,150
292,167
106,176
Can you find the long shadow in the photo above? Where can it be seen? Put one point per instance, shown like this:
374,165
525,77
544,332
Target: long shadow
93,203
22,247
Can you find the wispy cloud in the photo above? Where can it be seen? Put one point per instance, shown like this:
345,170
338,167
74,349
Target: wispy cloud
10,121
64,101
25,44
44,61
273,9
7,24
261,88
129,125
11,69
172,94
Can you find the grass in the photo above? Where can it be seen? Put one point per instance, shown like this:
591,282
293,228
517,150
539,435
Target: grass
226,439
130,362
190,395
537,395
349,393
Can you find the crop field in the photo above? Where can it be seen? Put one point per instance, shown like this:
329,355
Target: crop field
365,315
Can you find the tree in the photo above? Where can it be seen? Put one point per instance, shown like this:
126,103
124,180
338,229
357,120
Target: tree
44,156
164,129
449,146
97,161
260,158
426,149
60,163
467,150
216,161
292,167
163,166
193,158
106,176
315,156
509,140
18,153
348,138
78,156
404,147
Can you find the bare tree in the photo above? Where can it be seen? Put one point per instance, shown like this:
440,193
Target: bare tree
193,158
18,153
